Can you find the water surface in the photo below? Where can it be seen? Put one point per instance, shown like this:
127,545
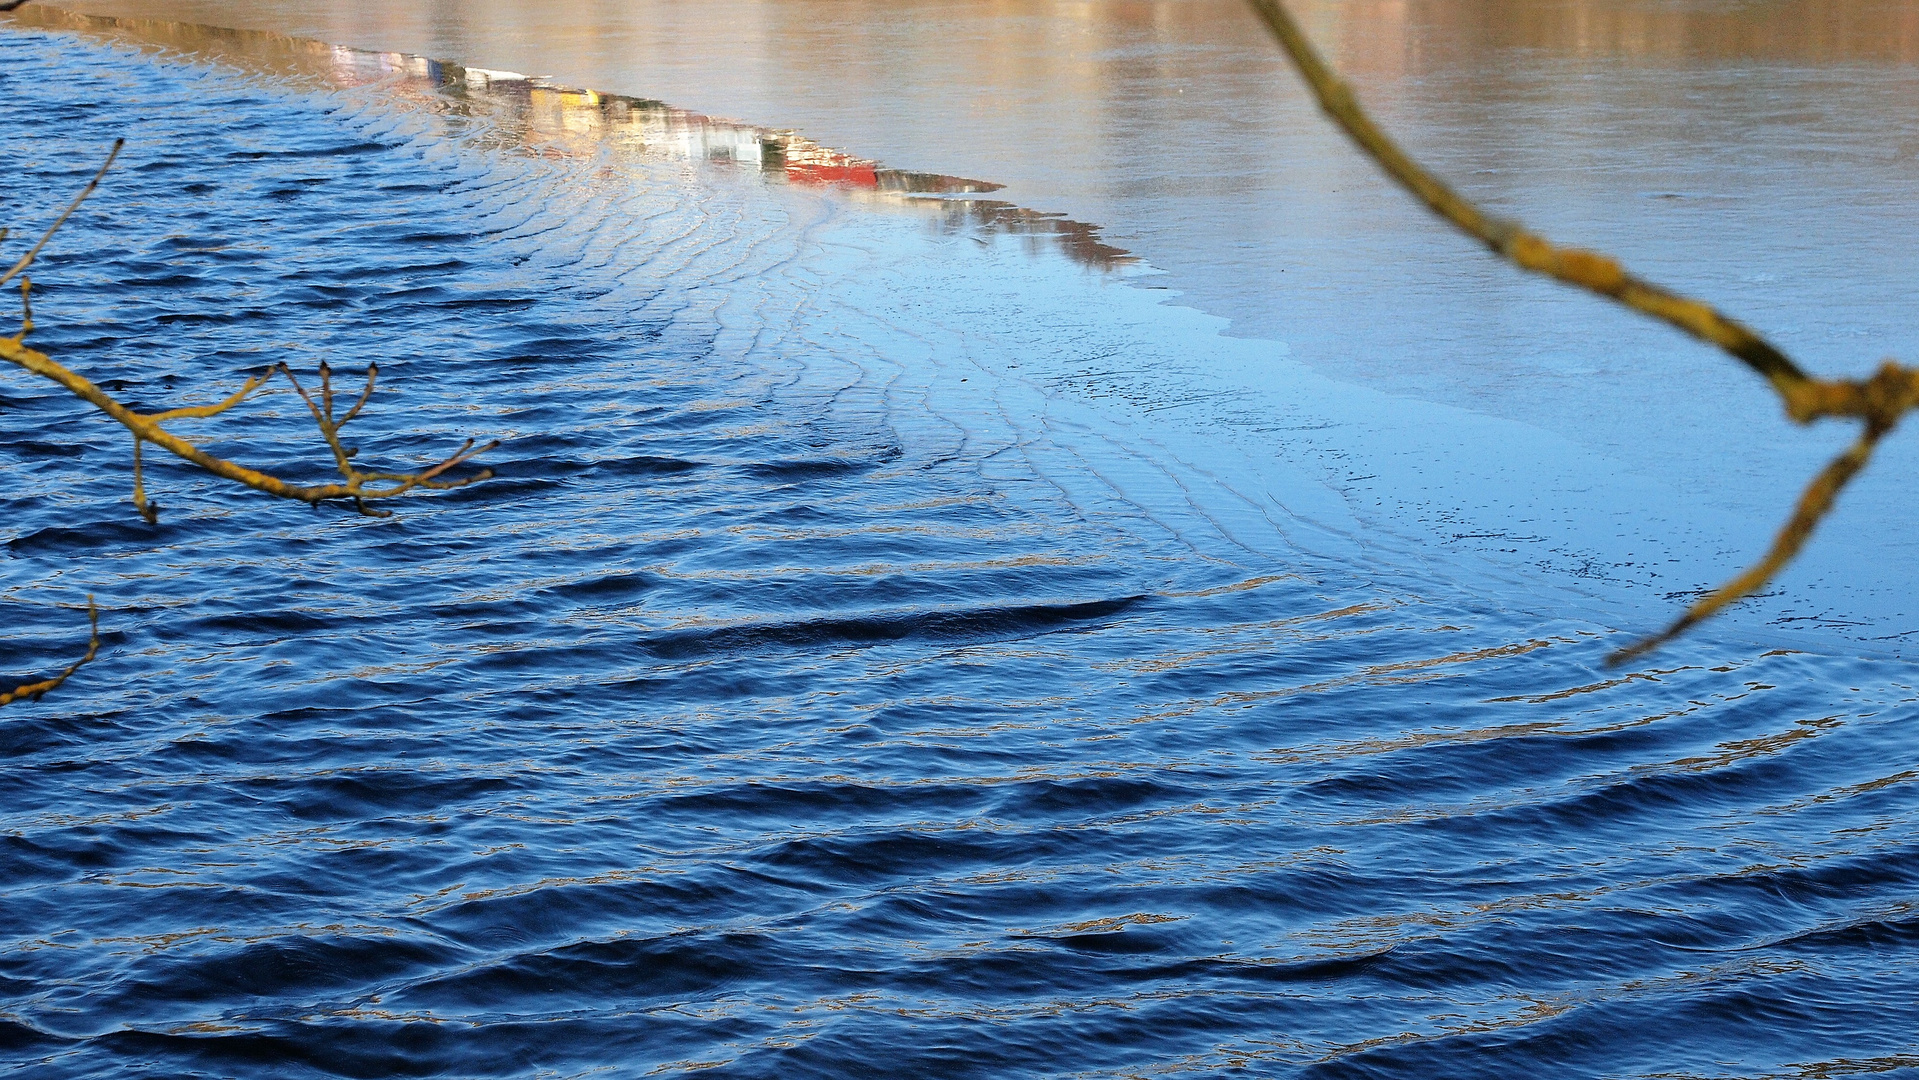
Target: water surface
1761,156
896,643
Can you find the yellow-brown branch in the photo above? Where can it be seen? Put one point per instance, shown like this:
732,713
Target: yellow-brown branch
146,429
33,691
358,486
1878,402
1814,502
27,259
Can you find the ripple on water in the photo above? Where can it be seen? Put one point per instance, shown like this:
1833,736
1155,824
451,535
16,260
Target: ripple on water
785,706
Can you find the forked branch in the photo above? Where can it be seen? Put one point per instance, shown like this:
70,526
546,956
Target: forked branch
356,486
1878,403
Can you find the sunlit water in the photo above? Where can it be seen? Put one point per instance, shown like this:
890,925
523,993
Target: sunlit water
895,644
1762,156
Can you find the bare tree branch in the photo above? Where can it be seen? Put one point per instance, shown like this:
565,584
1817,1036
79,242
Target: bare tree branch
27,259
1813,505
358,486
1878,403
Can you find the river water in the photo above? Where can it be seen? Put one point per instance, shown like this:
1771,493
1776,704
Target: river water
945,608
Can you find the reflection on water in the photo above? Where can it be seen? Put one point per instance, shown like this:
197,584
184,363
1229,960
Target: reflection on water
546,117
543,115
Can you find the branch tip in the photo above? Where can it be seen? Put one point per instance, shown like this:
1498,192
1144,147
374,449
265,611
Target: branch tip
36,690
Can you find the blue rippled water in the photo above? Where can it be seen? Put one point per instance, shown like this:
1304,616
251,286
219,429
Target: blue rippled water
852,670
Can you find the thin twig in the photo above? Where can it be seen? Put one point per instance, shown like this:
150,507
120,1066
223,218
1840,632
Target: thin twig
146,428
27,259
1589,270
358,487
322,417
372,373
150,511
1813,505
33,691
201,412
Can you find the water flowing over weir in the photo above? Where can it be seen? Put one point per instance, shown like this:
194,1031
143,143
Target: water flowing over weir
896,644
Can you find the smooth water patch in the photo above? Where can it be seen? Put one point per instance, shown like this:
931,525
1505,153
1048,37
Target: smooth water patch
860,665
